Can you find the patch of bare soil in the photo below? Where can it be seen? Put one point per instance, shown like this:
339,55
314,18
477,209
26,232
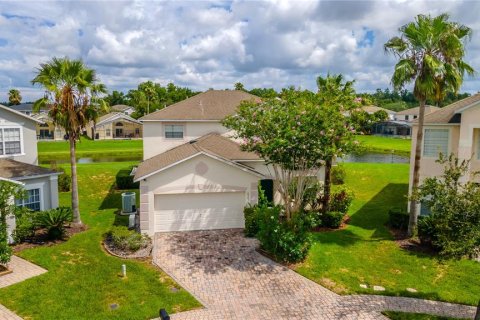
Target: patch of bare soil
41,239
410,244
344,224
142,253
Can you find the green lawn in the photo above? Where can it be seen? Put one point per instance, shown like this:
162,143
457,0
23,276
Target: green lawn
82,281
90,148
413,316
364,252
385,144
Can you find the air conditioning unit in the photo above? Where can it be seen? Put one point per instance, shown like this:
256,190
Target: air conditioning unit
128,203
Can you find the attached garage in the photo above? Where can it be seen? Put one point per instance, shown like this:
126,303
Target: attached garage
199,211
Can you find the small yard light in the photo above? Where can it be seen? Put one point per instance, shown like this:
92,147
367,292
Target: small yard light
124,270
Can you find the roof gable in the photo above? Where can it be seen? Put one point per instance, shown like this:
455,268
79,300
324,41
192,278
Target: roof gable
113,116
2,107
450,114
212,105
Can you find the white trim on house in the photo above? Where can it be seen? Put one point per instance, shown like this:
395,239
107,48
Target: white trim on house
467,107
179,120
12,181
35,186
38,176
20,113
229,162
22,148
117,115
435,124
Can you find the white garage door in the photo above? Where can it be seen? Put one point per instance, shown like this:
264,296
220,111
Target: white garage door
199,211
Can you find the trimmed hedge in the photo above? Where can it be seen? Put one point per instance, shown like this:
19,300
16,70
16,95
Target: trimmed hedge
124,180
398,218
332,219
64,182
251,221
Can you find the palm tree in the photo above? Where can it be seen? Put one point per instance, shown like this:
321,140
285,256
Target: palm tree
430,52
14,97
71,95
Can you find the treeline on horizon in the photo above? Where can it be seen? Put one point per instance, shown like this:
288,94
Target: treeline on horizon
149,97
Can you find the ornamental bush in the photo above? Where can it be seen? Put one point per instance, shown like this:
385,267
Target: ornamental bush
287,241
24,225
251,221
64,182
341,200
398,218
338,174
331,219
54,221
124,239
124,180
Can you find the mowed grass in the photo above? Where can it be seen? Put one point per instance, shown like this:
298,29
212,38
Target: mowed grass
90,148
413,316
82,280
365,253
385,144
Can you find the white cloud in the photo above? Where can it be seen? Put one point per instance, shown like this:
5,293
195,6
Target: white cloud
215,44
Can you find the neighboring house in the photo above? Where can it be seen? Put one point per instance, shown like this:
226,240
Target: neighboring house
412,113
25,108
115,125
373,109
128,110
451,129
392,128
46,130
19,159
194,176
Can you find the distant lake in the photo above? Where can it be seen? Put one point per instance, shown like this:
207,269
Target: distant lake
368,157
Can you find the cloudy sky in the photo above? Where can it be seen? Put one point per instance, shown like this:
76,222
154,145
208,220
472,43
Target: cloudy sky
214,44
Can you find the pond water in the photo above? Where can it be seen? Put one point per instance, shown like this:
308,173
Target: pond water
370,157
364,157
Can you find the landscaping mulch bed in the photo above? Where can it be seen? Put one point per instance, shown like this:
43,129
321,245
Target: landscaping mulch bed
41,238
142,253
345,221
410,244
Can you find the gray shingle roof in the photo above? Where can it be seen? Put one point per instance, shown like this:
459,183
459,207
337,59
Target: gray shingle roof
447,114
12,169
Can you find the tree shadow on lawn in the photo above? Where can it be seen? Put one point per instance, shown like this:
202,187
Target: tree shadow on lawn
372,216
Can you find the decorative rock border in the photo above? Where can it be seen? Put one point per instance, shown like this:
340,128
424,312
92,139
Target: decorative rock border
140,254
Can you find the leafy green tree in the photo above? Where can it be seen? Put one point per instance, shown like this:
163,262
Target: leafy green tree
116,97
335,99
8,192
430,52
14,97
285,133
72,97
455,208
239,86
264,92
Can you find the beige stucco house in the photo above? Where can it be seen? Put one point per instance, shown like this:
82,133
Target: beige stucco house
115,125
128,110
452,129
372,109
19,159
194,176
412,113
46,130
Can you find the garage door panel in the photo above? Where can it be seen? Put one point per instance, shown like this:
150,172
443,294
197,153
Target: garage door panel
181,212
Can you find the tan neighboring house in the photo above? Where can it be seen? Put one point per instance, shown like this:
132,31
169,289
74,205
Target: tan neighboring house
46,130
19,159
194,176
373,109
412,113
128,110
115,125
451,129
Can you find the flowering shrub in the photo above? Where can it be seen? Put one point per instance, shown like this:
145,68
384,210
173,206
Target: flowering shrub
288,241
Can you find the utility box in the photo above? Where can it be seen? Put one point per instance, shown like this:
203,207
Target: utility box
128,203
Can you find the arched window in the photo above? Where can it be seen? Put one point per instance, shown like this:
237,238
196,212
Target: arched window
119,124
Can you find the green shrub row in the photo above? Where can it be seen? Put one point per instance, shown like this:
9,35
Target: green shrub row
124,180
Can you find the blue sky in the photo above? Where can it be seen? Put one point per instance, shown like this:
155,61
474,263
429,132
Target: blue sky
214,44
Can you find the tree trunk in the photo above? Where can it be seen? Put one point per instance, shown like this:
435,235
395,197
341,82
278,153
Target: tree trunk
327,186
73,165
412,222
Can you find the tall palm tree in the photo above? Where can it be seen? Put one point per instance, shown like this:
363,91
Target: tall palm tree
430,52
72,97
14,97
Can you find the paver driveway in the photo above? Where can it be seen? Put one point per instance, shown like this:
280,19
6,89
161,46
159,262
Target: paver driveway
233,281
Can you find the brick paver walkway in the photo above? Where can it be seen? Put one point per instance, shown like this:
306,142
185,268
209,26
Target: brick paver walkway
22,270
225,273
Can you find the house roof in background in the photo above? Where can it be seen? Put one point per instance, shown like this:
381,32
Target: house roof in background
373,109
16,170
416,110
209,105
120,107
114,116
212,144
8,109
450,113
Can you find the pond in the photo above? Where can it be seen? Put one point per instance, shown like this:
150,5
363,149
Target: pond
364,157
370,157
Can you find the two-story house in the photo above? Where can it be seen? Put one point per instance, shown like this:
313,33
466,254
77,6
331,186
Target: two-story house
451,129
19,159
194,176
411,114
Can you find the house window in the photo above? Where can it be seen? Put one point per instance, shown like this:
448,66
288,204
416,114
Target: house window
435,142
31,201
137,130
10,141
424,209
173,131
415,117
406,117
119,124
108,132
